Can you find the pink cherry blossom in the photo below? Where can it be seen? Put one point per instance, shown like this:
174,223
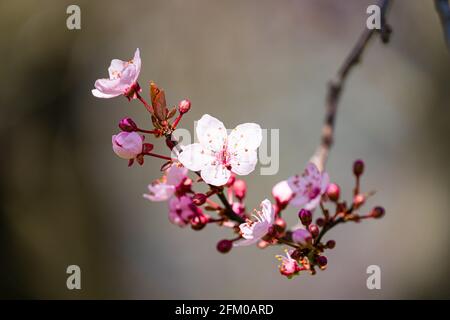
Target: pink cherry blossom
165,188
288,266
217,154
282,192
253,231
181,210
309,187
122,80
127,145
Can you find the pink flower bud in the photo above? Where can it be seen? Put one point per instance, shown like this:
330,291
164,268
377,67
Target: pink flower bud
184,106
320,222
224,246
305,217
333,192
231,180
358,200
238,208
282,193
358,167
322,262
314,229
127,145
280,224
199,221
377,212
331,244
128,125
240,189
302,237
199,199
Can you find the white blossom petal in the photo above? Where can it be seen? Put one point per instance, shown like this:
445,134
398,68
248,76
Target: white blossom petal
211,133
195,157
267,210
216,175
243,162
246,136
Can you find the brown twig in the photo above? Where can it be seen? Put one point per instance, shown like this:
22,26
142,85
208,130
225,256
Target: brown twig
336,85
443,9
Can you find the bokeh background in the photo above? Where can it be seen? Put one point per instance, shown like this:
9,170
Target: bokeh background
67,199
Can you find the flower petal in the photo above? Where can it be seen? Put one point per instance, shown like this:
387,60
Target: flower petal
115,69
108,88
267,210
243,162
325,182
299,200
312,204
175,175
195,157
245,242
211,133
159,192
246,136
216,175
97,93
137,62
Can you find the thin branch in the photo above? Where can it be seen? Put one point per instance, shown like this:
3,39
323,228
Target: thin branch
336,85
443,9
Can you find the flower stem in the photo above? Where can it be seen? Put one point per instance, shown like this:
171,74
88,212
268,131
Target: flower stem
326,228
147,106
158,156
177,120
228,209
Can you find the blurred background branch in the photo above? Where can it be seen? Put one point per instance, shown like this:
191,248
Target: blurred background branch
336,85
443,9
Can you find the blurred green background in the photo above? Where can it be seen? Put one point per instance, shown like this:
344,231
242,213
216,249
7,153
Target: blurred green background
67,199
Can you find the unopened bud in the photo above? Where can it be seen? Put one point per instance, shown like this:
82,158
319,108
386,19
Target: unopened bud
238,208
224,246
184,106
314,229
331,244
198,222
127,125
282,193
333,192
280,224
231,180
322,261
358,167
305,217
199,199
240,189
320,222
359,200
377,212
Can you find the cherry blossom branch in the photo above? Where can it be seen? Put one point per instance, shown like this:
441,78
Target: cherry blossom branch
443,9
336,85
266,226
